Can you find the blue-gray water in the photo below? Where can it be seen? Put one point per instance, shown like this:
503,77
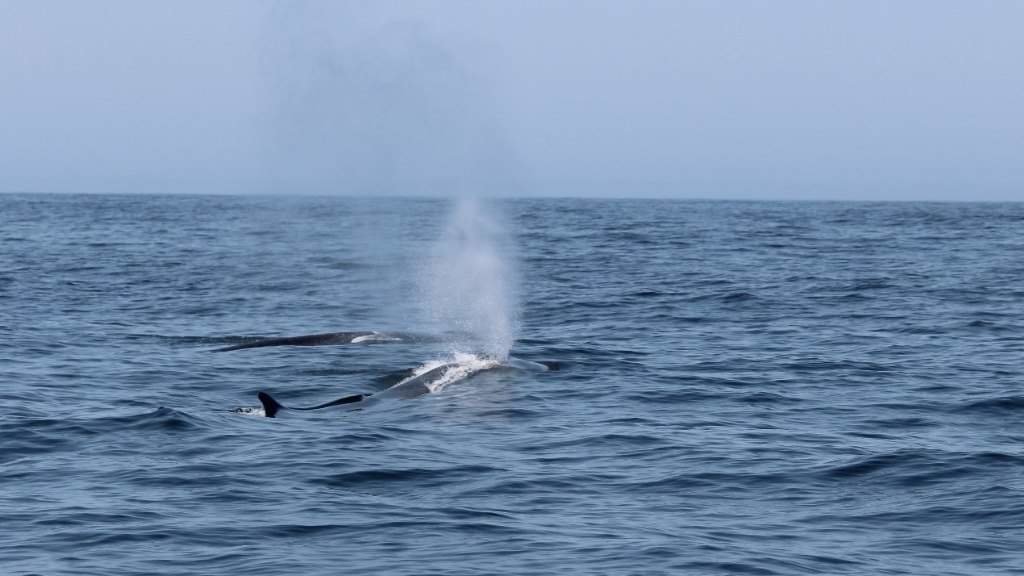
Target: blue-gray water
744,388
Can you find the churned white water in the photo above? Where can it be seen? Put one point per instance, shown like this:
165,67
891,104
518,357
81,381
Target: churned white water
459,367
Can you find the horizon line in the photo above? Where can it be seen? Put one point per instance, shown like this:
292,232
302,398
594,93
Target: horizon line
695,198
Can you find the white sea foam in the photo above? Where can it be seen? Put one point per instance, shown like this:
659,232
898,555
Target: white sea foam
465,365
458,367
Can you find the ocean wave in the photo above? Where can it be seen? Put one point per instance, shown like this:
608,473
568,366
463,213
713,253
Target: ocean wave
390,477
998,406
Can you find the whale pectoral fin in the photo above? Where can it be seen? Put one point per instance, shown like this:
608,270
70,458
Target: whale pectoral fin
270,406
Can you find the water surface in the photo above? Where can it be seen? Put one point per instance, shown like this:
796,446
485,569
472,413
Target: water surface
744,388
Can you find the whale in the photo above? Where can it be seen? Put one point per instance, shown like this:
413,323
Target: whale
421,381
364,337
271,406
323,339
416,384
411,387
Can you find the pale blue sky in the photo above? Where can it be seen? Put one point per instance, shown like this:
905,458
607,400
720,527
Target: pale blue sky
708,99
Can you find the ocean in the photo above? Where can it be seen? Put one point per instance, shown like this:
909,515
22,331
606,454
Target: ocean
766,388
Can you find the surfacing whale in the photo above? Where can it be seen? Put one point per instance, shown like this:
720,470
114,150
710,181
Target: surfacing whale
411,387
323,339
271,407
426,379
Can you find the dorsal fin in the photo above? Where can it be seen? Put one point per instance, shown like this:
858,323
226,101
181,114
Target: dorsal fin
270,406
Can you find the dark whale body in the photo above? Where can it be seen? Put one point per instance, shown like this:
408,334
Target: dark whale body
408,388
326,338
271,407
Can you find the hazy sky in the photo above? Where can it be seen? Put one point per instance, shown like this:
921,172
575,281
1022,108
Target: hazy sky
713,99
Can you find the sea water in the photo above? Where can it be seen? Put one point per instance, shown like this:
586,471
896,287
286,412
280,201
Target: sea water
741,387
